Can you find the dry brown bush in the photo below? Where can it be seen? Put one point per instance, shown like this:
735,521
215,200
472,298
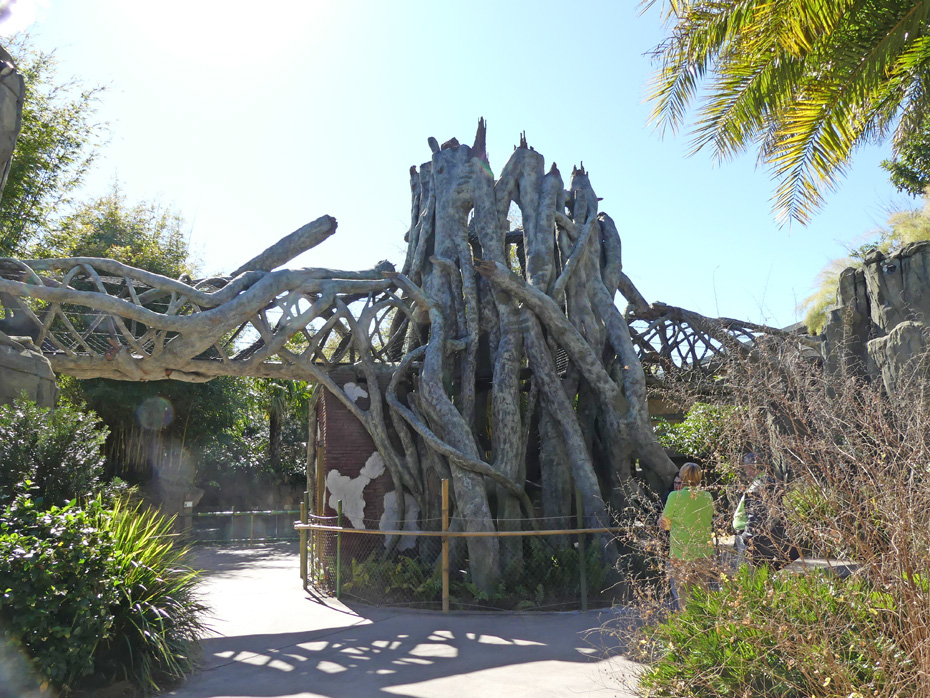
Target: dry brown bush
855,464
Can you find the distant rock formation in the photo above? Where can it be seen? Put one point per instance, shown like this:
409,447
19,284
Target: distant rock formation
880,326
24,371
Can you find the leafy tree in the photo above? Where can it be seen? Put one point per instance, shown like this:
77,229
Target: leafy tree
58,142
284,399
144,235
264,449
160,416
56,451
904,227
805,81
699,434
910,169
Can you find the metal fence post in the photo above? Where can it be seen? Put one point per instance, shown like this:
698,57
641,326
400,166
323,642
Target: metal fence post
582,558
339,549
445,546
303,540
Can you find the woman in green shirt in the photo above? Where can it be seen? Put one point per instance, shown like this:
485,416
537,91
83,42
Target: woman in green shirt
689,516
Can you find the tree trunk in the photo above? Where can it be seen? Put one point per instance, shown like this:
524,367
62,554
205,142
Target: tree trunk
509,361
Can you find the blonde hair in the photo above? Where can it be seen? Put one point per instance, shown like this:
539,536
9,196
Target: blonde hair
691,474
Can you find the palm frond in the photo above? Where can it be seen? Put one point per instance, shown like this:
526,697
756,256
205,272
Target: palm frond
806,81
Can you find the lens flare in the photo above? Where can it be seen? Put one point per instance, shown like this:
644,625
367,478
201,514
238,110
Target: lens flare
155,414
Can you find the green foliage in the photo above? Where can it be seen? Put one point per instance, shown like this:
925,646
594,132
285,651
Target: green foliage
94,594
909,170
547,577
58,588
144,235
903,228
403,578
808,509
283,399
164,417
57,450
699,435
157,616
221,429
551,575
789,635
806,82
55,148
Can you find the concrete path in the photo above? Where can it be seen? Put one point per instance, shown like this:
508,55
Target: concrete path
271,638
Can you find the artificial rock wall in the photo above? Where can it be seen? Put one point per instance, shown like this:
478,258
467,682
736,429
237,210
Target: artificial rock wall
26,372
880,326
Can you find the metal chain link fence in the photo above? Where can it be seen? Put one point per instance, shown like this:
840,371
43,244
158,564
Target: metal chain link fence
240,527
561,570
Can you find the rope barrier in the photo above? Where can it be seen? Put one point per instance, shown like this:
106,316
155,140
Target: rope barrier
455,534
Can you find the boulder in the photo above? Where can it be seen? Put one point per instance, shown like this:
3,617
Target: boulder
24,370
879,325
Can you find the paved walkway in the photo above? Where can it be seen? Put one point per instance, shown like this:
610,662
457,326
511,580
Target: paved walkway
271,638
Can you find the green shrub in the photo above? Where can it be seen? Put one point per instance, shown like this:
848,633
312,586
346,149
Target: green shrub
548,576
96,593
789,635
157,616
58,586
699,435
402,579
59,451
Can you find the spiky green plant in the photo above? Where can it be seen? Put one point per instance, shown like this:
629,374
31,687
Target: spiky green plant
158,618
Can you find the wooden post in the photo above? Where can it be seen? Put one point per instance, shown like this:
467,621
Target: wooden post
311,543
445,546
303,540
582,558
187,516
339,550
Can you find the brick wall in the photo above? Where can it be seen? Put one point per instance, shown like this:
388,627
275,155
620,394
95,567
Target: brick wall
346,449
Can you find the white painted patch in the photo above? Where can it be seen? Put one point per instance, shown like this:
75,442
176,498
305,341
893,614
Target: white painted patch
390,519
351,490
373,467
354,392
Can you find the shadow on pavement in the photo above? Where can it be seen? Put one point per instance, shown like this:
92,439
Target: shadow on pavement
271,638
368,659
213,560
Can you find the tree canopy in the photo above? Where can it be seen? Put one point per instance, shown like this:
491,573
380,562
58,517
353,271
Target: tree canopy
909,170
804,81
57,144
144,235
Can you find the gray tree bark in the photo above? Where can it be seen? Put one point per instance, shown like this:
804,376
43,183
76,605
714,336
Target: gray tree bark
508,358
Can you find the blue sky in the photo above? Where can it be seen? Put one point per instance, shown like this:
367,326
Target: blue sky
254,118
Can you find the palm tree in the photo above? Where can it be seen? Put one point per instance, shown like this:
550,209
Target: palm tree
282,397
807,81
